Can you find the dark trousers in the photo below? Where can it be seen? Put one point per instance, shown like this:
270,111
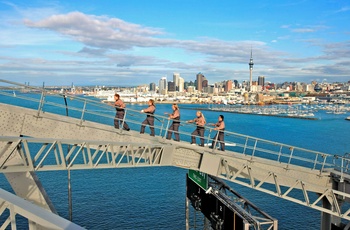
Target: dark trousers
119,117
219,138
174,127
199,131
148,121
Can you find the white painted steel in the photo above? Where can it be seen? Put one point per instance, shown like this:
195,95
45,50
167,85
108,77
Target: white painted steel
40,218
255,162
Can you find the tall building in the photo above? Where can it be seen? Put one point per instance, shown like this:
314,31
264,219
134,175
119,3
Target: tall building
176,78
163,86
261,81
228,86
171,86
200,79
152,86
181,84
251,63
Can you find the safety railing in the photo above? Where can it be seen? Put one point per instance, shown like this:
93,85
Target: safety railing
84,109
18,213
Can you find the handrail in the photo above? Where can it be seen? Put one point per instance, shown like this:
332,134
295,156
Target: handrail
13,206
244,144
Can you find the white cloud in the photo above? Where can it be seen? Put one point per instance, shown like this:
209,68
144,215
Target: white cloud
303,30
343,9
110,48
102,32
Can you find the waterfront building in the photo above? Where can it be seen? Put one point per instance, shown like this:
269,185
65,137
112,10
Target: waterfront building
228,86
261,81
211,89
205,83
191,89
181,84
189,84
254,86
152,86
163,86
201,82
176,78
299,87
171,86
308,88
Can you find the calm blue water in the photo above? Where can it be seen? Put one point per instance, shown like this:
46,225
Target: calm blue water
154,198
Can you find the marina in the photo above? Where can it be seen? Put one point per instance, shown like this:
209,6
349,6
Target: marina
308,112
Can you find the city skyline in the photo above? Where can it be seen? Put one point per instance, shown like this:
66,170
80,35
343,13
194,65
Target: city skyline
120,43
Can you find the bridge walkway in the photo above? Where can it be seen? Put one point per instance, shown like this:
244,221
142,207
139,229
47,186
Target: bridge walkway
77,141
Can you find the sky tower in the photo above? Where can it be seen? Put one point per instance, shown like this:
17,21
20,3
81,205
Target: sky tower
251,63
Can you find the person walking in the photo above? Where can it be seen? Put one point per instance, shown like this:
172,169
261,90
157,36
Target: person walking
219,137
174,127
199,131
150,118
119,116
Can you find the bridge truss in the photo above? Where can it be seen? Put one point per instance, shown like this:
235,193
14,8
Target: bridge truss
38,140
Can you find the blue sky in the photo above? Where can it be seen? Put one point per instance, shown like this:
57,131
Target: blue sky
136,42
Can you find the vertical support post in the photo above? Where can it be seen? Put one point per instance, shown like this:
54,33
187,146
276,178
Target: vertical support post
187,209
326,218
70,212
13,217
256,142
216,140
187,213
166,130
161,128
41,102
70,197
82,114
245,146
122,126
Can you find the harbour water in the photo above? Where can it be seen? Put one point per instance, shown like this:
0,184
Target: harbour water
154,198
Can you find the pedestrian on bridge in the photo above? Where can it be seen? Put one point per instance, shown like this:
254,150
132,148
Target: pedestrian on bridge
199,131
120,114
174,127
150,117
219,137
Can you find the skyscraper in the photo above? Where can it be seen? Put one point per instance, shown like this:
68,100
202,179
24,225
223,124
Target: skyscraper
261,81
163,86
228,86
176,77
171,86
200,79
152,86
181,84
251,63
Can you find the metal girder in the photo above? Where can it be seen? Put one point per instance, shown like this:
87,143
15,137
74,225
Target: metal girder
270,182
278,174
40,154
38,218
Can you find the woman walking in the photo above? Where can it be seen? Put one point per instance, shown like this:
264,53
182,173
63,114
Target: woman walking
150,118
174,127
